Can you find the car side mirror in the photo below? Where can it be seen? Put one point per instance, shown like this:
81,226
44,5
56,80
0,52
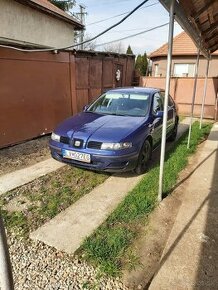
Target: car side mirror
85,108
159,114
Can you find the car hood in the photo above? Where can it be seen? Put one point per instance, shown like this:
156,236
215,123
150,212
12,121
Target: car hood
105,128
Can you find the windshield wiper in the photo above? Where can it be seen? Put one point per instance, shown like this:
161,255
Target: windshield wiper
116,114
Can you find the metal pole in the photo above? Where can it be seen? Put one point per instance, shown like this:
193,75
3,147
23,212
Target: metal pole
193,98
204,95
82,19
6,278
216,103
167,90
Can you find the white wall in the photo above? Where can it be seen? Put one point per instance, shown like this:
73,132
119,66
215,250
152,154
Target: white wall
20,23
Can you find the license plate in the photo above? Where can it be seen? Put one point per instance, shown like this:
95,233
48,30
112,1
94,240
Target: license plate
74,155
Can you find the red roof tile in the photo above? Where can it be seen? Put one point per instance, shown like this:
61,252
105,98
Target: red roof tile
182,45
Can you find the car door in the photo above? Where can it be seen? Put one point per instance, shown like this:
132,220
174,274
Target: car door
170,113
157,106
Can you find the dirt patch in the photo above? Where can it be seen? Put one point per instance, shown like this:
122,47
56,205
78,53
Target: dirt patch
22,155
150,245
19,203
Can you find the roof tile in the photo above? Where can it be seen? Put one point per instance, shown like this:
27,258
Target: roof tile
182,45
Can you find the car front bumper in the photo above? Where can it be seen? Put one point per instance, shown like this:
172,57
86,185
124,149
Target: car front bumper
107,163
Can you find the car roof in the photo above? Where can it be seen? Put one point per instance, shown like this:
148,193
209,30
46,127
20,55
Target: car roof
146,90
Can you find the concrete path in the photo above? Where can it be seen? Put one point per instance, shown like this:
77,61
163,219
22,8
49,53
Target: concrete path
190,258
68,229
20,177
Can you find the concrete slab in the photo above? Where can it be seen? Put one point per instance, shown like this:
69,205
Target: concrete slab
67,230
189,260
20,177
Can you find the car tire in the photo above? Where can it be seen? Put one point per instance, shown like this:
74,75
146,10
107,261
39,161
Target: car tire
144,157
173,135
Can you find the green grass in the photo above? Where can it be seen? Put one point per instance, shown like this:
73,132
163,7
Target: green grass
108,246
46,197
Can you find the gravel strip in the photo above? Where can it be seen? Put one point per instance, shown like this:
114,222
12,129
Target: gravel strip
38,266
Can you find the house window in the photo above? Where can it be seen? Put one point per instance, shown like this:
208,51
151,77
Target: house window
184,70
156,70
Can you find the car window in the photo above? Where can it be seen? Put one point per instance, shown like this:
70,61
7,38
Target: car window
170,99
157,103
123,103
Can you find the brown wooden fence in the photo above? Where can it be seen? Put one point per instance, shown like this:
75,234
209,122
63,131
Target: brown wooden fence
38,90
181,89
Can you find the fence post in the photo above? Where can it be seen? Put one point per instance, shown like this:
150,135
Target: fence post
204,94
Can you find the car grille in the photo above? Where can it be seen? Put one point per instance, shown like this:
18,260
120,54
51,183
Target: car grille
94,145
65,140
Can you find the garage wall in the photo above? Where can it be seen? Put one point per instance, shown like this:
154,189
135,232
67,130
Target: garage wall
38,90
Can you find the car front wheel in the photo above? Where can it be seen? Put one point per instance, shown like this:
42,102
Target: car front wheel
144,157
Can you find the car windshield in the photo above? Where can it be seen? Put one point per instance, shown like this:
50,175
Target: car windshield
122,104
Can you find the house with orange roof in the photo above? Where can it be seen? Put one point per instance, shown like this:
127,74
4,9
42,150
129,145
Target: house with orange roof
183,59
36,23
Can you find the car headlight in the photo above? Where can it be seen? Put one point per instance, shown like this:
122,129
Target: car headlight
116,146
55,137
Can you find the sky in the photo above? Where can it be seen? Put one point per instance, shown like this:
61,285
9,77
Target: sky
143,19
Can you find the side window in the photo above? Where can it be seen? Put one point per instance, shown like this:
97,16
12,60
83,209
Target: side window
170,100
157,103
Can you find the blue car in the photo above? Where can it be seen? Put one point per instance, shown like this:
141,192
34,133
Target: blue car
117,132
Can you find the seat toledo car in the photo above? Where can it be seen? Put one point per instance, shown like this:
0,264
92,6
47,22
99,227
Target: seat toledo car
117,132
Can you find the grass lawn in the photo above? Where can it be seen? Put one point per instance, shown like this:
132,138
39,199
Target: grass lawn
29,206
108,246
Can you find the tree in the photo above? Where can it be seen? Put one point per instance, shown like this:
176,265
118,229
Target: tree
115,47
129,50
64,5
91,45
141,64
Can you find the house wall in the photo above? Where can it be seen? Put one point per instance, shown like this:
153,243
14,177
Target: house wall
162,61
21,23
181,89
38,90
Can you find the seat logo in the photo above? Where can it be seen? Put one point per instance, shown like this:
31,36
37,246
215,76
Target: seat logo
77,143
